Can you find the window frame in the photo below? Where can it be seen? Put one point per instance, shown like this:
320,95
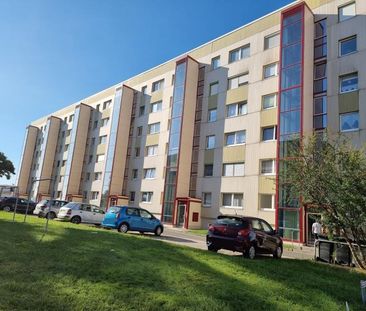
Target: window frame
234,169
204,170
213,59
237,105
346,40
269,66
273,205
154,85
240,49
235,138
232,194
272,35
151,171
230,79
209,120
352,129
340,20
204,204
267,96
274,136
347,77
208,137
149,195
273,171
153,125
216,83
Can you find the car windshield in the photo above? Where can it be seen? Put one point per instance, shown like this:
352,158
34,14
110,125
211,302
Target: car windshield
232,222
72,205
114,209
43,202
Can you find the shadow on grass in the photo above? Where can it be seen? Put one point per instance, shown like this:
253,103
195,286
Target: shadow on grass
79,268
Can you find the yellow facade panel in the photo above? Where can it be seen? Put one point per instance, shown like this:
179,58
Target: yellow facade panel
233,154
237,95
152,139
269,117
348,102
267,184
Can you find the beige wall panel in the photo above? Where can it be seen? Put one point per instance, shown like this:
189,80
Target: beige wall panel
268,117
152,139
27,157
106,113
67,140
348,102
194,207
237,95
101,148
233,154
62,170
267,184
185,153
157,96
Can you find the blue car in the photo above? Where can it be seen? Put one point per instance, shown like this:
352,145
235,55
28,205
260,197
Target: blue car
126,218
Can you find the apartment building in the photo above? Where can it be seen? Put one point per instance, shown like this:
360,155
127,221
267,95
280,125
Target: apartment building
201,134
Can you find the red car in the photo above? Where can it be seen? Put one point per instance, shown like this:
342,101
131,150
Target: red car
248,235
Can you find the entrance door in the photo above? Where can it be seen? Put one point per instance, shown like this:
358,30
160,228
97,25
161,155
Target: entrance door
181,214
310,219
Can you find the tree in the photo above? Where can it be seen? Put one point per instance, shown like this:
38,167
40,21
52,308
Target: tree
330,174
6,166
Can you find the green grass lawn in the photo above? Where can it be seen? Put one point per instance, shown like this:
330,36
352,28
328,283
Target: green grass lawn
76,267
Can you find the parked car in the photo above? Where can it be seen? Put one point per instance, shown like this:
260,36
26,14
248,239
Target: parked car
126,218
7,204
45,208
81,212
248,235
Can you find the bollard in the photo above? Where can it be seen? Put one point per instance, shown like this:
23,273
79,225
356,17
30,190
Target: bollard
363,291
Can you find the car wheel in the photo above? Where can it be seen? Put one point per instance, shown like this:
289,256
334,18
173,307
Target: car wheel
51,215
158,231
251,252
212,248
76,220
6,208
123,228
278,252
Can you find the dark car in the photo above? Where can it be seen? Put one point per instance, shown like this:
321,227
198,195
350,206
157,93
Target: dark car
248,235
7,204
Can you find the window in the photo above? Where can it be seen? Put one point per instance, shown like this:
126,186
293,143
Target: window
90,159
93,141
94,195
346,12
146,197
208,171
135,173
154,128
320,42
270,70
58,163
210,142
214,88
207,199
267,201
102,139
139,131
156,107
141,111
85,195
320,112
71,117
348,83
64,162
144,90
232,199
106,104
95,125
66,147
320,78
269,101
267,167
235,82
157,86
68,133
269,133
233,169
215,62
149,173
240,53
104,122
100,158
347,46
349,121
97,107
212,115
137,151
235,138
151,150
98,176
237,109
271,41
132,196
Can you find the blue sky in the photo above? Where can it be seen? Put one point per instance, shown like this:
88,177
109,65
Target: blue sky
54,53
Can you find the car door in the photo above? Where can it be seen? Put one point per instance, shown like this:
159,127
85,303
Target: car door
270,242
148,221
86,213
97,214
133,218
260,236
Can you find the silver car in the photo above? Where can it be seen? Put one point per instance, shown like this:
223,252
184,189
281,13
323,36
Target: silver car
45,208
81,212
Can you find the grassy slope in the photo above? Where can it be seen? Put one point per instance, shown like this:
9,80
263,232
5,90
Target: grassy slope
83,268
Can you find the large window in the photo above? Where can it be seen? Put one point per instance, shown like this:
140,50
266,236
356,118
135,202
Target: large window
270,70
320,78
348,46
320,42
235,138
206,199
349,121
267,201
269,101
237,81
214,88
240,53
151,150
232,199
269,133
210,142
158,85
320,112
215,62
155,107
208,170
212,115
346,11
154,128
233,169
268,167
237,109
348,83
146,197
271,41
149,173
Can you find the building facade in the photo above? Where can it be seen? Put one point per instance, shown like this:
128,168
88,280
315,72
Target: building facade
201,134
